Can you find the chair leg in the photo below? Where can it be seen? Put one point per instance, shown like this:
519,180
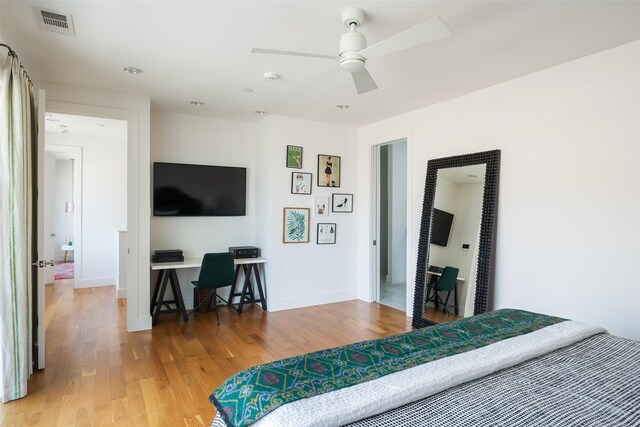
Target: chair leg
444,306
215,307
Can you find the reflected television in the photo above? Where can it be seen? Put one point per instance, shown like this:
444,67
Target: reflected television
198,190
441,227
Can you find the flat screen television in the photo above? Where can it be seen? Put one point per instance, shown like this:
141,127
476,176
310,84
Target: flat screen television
198,190
441,227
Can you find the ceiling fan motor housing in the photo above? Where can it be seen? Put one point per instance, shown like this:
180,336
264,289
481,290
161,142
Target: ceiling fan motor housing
350,44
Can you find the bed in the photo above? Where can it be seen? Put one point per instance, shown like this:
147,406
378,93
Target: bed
507,367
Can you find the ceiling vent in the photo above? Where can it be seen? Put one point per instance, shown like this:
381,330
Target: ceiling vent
56,22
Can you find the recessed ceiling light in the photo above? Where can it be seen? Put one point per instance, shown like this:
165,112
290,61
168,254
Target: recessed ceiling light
260,112
342,106
196,103
63,130
100,124
472,176
132,70
248,90
270,76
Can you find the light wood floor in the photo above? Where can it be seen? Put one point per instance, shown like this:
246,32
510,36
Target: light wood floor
439,316
98,374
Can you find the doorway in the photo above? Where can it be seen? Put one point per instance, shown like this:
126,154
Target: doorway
85,207
63,207
391,194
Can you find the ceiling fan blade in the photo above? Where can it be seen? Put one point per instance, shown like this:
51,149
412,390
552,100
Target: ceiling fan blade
428,31
364,82
286,52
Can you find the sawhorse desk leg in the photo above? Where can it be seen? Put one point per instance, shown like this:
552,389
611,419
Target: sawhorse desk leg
164,277
247,295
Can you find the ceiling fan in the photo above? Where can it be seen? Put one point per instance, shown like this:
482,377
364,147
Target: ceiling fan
354,52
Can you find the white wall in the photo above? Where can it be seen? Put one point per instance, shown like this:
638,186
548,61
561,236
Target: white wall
104,202
567,237
297,274
180,138
306,274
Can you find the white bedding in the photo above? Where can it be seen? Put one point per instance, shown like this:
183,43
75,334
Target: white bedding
363,400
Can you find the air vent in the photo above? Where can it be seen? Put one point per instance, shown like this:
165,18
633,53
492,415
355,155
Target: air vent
56,22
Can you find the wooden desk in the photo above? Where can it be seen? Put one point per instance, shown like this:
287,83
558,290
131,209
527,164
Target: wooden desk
167,275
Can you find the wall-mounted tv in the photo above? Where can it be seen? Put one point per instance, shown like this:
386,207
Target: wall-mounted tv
441,227
198,190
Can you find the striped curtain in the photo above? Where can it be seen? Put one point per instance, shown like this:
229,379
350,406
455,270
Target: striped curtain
17,134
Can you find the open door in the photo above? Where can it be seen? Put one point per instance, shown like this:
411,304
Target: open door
41,264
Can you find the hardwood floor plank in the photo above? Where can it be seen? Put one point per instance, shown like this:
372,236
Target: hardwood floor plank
98,374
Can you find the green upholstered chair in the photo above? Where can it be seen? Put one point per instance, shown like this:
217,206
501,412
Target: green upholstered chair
446,283
217,271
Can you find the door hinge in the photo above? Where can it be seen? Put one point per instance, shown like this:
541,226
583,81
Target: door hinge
374,242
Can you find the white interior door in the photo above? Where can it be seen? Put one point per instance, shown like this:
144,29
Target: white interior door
43,263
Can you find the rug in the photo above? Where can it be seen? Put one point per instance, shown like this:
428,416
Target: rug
63,271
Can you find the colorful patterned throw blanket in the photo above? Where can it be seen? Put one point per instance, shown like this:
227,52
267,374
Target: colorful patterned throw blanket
251,394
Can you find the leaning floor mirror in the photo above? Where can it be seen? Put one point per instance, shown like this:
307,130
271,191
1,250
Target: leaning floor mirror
457,233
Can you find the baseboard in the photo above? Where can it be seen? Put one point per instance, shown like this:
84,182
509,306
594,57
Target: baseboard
95,282
307,301
121,293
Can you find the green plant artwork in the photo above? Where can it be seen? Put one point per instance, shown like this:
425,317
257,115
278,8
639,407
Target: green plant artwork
296,225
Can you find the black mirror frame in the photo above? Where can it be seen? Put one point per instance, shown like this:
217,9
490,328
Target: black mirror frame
487,229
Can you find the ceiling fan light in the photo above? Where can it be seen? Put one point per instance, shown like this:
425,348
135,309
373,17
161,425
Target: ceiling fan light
352,65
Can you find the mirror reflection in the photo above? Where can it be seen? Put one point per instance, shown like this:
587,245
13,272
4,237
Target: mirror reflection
450,280
457,230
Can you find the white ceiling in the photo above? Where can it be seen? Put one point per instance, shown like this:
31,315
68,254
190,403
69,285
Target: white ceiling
473,174
84,126
201,51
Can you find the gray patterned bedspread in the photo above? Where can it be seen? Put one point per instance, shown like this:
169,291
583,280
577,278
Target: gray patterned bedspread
595,382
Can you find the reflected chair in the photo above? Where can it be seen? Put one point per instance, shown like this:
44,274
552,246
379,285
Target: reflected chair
217,271
446,283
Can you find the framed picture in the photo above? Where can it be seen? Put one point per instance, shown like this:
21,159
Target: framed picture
328,171
294,157
295,225
326,233
321,207
342,202
300,183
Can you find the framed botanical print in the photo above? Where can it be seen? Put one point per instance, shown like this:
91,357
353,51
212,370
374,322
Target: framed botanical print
300,183
328,171
341,202
294,157
326,233
295,225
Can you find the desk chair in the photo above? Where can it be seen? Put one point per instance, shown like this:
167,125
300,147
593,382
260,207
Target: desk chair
217,271
447,283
